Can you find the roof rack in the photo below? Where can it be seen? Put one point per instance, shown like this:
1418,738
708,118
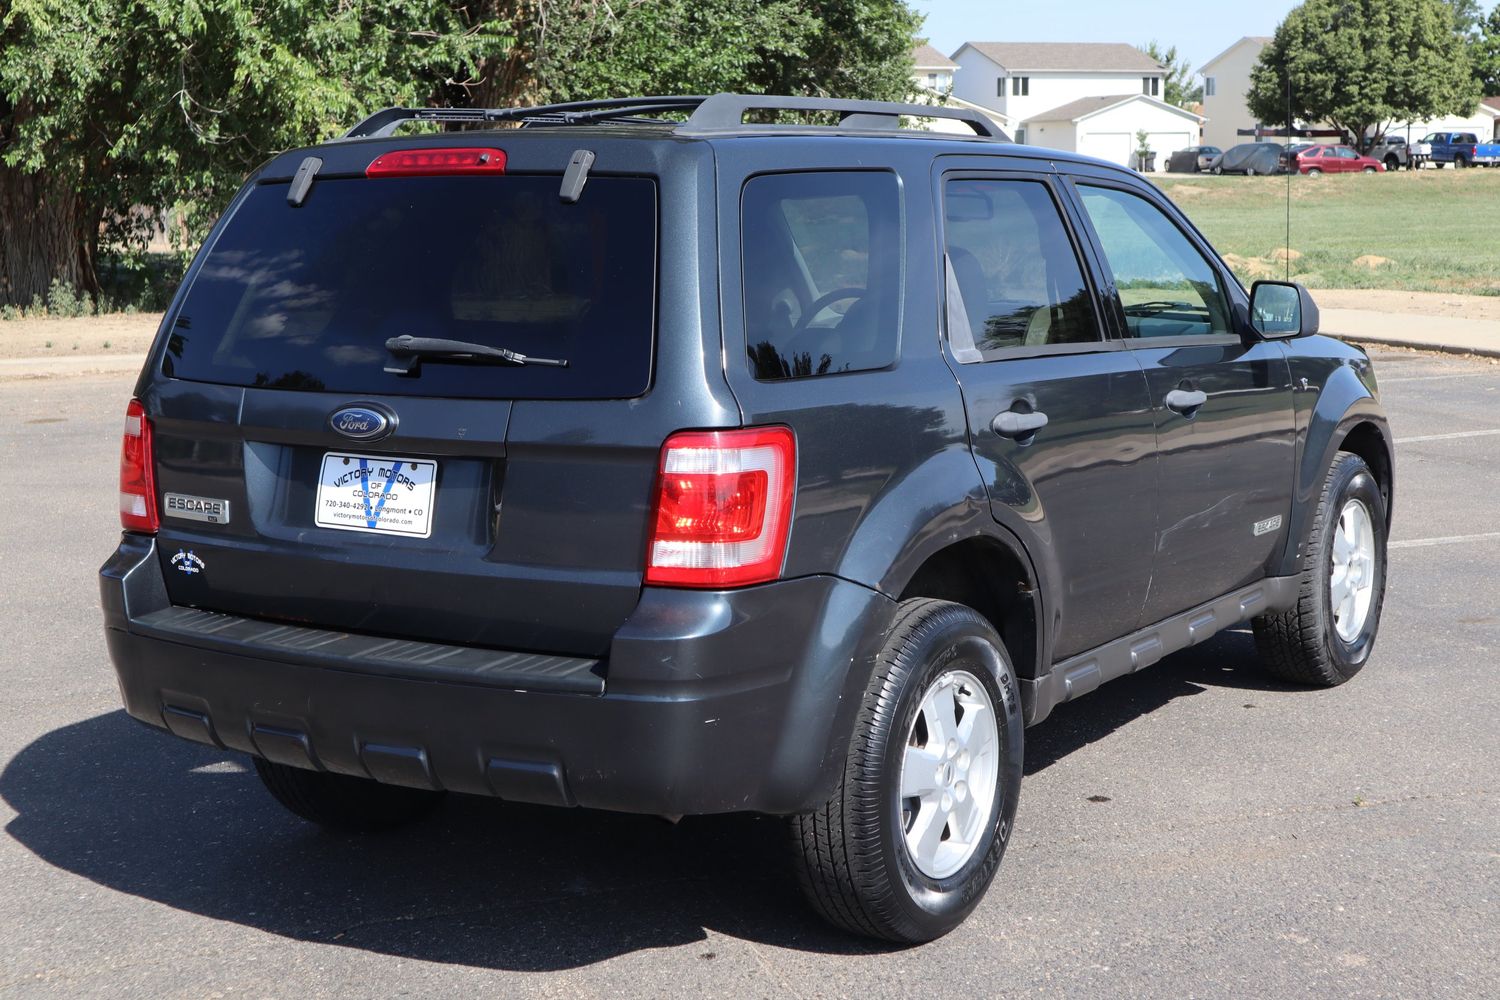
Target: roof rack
718,113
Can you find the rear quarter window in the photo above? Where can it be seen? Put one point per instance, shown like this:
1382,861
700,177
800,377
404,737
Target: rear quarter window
821,256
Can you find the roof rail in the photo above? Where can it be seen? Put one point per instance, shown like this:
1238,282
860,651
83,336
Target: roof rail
384,123
718,113
726,112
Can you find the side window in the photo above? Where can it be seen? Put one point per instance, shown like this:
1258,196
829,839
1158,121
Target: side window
1168,288
821,272
1014,278
1345,153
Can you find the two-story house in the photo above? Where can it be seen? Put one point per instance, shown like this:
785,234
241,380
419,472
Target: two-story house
1226,81
1086,97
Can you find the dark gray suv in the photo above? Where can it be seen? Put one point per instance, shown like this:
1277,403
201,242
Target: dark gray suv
643,457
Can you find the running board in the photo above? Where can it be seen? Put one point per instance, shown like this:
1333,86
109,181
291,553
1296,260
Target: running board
1078,675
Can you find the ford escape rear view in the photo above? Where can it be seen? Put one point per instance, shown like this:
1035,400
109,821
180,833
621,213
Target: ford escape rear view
636,456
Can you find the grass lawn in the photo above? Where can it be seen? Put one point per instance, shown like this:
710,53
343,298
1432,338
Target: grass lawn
1436,229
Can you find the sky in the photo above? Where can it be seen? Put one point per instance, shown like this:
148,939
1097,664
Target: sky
1200,29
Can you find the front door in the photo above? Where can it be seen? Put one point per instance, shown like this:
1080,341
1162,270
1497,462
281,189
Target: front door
1059,417
1221,399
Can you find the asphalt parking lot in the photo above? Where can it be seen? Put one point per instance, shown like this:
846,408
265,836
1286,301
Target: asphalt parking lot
1194,830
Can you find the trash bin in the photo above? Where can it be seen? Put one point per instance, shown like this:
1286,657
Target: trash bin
1146,162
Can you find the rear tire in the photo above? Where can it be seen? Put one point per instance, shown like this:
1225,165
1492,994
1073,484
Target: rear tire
906,846
342,802
1314,172
1327,637
1460,162
1392,164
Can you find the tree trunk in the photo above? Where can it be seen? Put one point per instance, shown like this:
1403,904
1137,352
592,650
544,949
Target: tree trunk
45,235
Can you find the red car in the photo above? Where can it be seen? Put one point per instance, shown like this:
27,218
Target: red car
1336,160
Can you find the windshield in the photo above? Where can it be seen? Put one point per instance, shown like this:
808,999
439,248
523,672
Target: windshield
305,298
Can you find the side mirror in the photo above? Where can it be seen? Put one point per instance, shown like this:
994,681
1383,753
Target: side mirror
1282,309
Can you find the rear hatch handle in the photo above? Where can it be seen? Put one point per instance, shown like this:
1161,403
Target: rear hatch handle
409,353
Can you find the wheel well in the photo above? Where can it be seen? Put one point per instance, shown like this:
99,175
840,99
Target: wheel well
1365,441
987,576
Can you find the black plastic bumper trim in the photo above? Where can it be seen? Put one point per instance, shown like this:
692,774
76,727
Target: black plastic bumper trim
372,654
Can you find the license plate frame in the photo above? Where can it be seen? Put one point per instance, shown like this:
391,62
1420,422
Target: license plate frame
376,494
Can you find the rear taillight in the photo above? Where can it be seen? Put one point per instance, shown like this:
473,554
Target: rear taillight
723,508
137,473
423,162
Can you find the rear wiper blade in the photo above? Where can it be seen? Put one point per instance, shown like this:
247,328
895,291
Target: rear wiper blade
411,351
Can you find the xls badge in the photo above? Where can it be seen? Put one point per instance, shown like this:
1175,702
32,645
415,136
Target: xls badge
196,508
1267,526
187,562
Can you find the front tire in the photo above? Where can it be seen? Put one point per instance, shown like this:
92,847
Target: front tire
912,836
342,802
1327,637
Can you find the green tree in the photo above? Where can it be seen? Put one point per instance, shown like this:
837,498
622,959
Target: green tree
1179,88
1486,55
112,111
1362,64
839,48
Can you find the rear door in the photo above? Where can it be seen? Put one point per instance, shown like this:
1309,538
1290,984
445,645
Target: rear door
1221,400
1060,418
491,504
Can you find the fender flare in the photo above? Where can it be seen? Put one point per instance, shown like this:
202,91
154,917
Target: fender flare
1344,403
940,523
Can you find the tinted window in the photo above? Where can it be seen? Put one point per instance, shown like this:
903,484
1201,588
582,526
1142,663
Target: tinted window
1167,288
821,256
305,298
1017,278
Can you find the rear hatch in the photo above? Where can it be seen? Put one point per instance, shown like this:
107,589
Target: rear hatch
487,504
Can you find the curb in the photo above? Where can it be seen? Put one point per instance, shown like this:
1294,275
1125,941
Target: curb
1419,345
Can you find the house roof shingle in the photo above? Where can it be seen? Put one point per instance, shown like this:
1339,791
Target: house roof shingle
1088,57
1491,102
927,57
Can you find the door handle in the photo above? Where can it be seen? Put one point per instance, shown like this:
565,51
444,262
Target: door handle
1186,401
1009,423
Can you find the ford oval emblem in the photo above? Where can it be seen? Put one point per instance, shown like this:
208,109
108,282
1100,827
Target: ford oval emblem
363,423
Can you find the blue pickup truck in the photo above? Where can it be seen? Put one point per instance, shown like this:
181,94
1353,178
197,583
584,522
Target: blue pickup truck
1462,149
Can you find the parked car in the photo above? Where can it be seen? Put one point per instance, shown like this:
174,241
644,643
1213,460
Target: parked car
1192,159
649,467
1395,152
1462,149
1336,160
1289,154
1250,158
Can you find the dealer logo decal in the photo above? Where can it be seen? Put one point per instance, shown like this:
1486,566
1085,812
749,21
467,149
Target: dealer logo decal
187,562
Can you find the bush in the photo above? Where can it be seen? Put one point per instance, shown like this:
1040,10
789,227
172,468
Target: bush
64,301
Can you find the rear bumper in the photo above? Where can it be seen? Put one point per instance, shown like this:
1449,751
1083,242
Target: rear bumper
709,701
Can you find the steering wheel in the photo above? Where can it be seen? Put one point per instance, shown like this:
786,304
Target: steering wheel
824,301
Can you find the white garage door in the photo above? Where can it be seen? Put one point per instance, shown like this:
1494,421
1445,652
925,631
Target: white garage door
1112,146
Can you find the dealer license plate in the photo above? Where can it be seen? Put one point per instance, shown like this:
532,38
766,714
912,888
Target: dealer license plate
388,496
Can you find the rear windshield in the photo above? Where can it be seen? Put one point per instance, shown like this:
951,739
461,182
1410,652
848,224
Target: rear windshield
305,298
